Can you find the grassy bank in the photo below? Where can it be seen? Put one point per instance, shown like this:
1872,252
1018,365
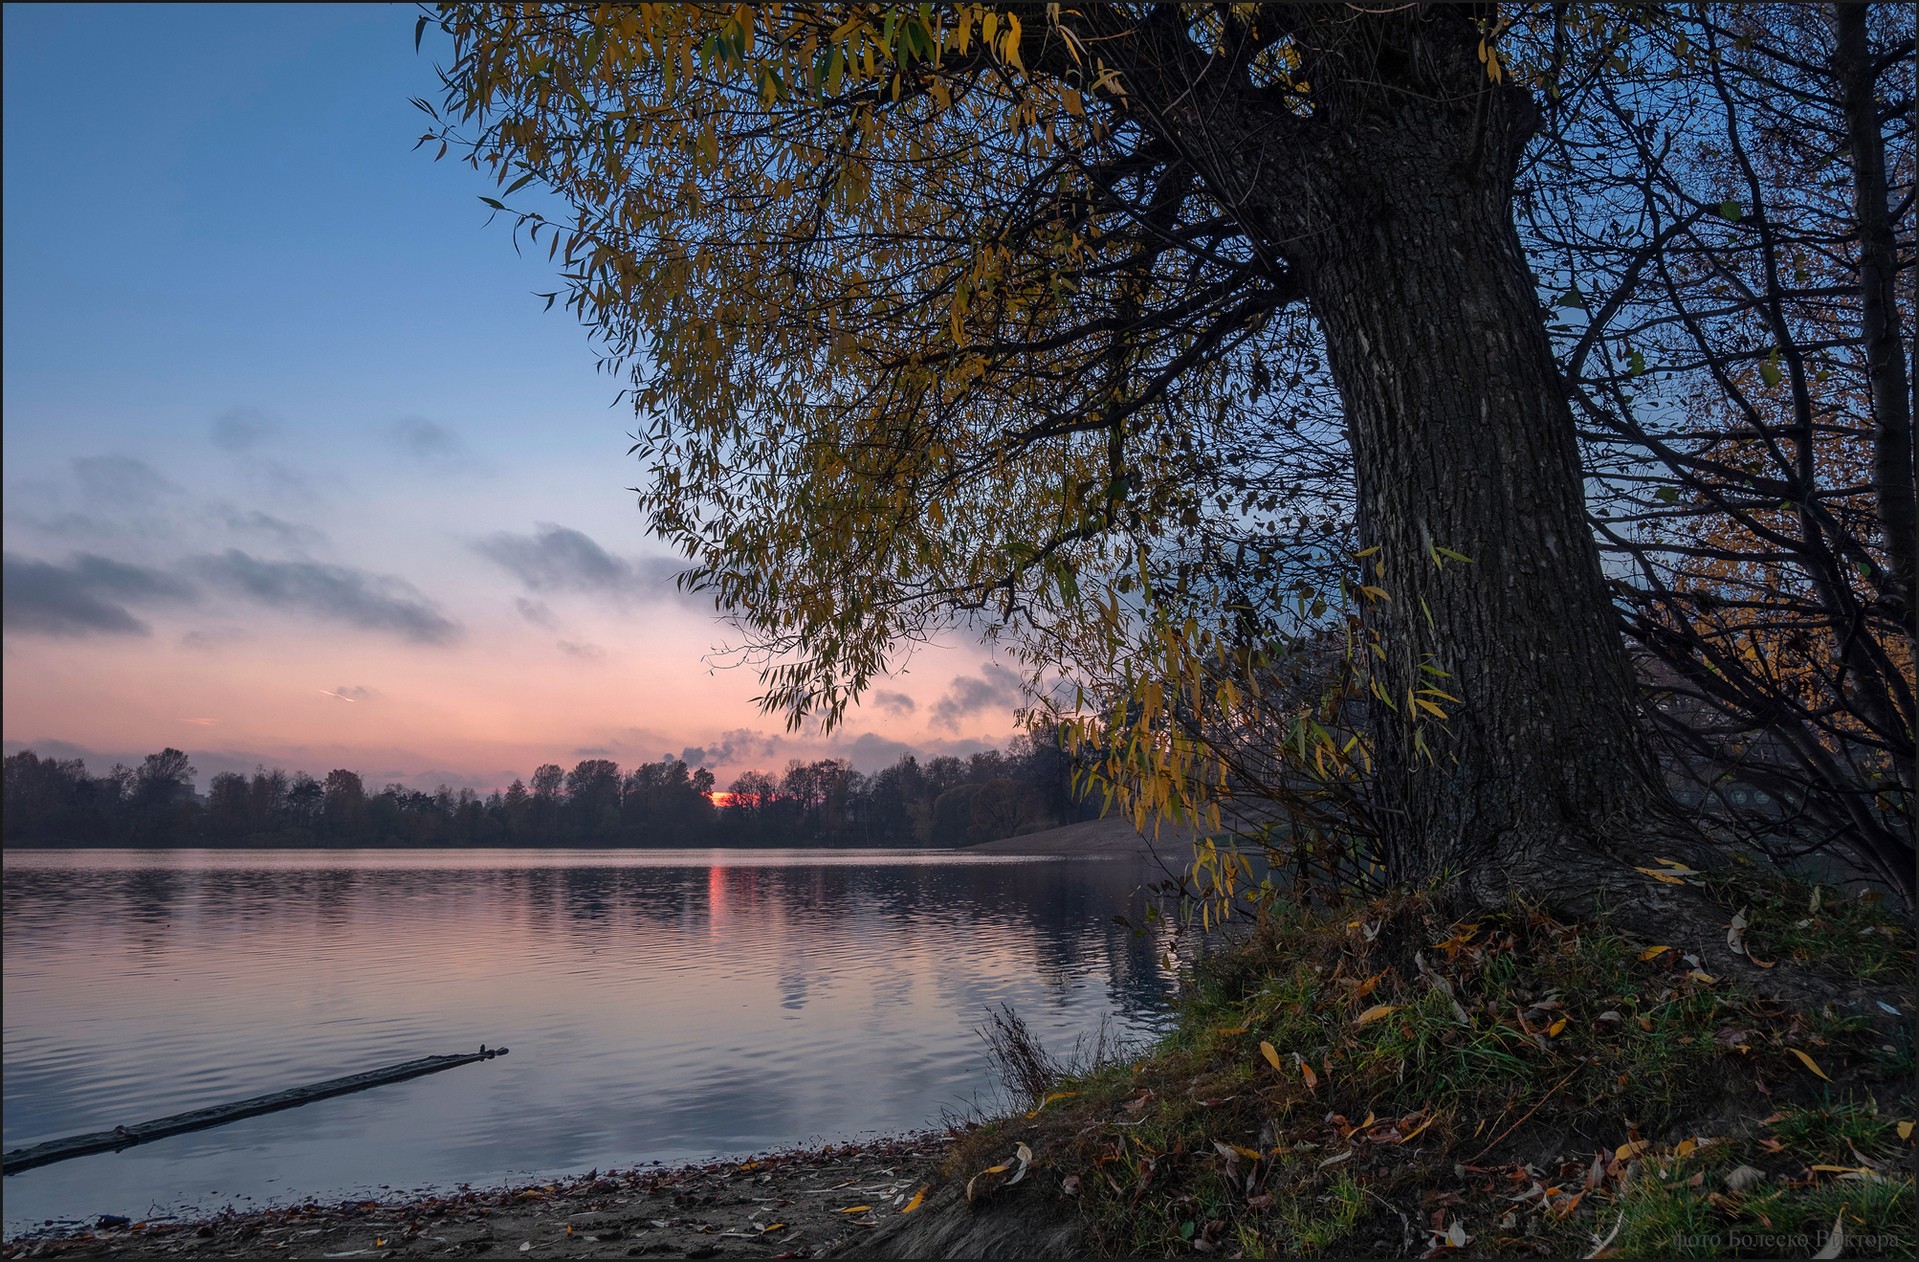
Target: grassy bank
1383,1080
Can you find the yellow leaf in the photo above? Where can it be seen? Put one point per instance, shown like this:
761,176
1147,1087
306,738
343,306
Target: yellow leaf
1407,1138
1312,1079
915,1202
1843,1170
1375,1012
1905,1130
1658,875
1552,1031
1057,1095
1272,1057
1808,1062
1626,1152
1685,1148
861,1209
1655,951
772,1226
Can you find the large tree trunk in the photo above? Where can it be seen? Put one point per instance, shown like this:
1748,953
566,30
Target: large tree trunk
1390,206
1463,439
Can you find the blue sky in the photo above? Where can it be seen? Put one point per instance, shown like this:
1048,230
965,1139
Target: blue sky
283,419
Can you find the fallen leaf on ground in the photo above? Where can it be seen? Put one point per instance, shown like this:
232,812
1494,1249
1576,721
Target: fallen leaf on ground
1376,1012
1837,1240
915,1202
1809,1062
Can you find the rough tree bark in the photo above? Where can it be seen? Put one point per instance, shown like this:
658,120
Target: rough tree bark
1391,205
1894,485
1463,439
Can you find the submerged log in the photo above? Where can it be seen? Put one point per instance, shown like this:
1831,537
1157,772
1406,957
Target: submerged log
200,1119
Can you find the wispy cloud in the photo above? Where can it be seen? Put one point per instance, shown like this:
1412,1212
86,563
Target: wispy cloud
536,612
430,443
894,702
582,652
358,598
242,429
121,480
253,522
994,687
560,559
739,746
86,596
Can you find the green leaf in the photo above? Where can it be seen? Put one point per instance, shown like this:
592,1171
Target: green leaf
1769,368
1730,210
1666,495
419,31
1635,363
496,205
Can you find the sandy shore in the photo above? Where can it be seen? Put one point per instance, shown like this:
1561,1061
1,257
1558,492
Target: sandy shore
799,1204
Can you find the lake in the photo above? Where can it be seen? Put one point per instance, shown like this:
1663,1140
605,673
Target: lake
659,1006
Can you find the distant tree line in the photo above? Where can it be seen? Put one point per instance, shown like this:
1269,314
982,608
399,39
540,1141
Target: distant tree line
944,801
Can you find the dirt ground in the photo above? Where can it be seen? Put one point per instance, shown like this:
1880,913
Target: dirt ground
797,1204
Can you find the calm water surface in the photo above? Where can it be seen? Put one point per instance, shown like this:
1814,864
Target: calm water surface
661,1005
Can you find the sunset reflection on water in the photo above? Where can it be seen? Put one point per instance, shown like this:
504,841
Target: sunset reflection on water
659,1006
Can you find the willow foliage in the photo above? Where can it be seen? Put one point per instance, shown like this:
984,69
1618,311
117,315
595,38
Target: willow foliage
916,337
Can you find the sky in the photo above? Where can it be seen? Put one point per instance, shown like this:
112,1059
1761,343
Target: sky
297,469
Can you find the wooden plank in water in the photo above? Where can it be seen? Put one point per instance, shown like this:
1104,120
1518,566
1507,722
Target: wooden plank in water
200,1119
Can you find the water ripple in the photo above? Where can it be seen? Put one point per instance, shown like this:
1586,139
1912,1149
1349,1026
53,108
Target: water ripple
659,1005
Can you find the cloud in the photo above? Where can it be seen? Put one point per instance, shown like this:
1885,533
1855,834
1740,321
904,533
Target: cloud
536,612
594,751
83,597
354,692
429,442
372,602
741,745
121,480
255,522
559,559
584,652
243,429
994,686
213,639
895,702
556,558
870,753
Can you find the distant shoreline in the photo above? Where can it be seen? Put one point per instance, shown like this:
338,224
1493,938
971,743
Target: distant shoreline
1111,837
